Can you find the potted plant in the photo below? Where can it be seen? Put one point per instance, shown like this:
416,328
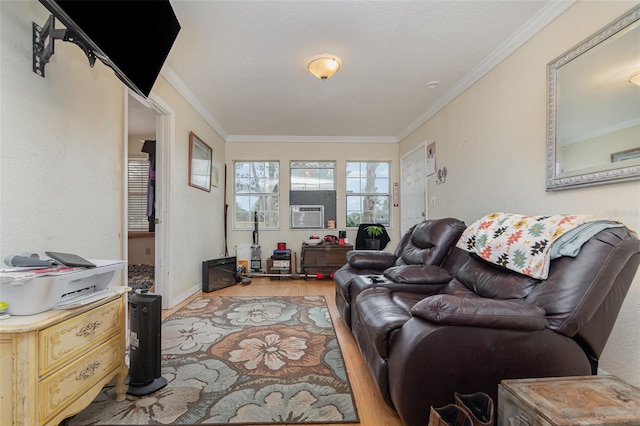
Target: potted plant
374,232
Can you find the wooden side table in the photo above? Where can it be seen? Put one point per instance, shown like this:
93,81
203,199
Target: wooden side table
53,364
323,258
581,400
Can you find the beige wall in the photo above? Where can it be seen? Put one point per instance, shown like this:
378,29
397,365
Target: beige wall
492,141
195,216
62,160
61,146
141,250
285,152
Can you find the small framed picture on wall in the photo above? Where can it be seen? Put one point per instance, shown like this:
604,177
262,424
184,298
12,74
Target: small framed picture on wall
200,156
215,175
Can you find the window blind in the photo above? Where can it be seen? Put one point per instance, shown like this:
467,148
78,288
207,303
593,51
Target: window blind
138,176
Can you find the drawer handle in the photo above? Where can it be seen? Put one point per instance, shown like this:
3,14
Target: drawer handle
89,328
89,371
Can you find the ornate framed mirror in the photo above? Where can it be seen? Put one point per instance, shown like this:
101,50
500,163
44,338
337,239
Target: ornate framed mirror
593,111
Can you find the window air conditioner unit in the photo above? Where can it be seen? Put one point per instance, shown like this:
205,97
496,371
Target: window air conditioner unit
307,217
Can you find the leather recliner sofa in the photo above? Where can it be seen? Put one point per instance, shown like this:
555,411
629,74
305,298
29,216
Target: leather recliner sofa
424,341
425,245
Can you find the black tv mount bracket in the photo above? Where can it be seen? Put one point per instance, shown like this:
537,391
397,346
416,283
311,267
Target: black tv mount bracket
48,34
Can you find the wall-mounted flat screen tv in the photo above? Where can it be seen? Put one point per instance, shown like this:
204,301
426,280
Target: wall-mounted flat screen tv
132,37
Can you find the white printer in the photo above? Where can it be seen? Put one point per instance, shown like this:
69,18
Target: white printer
33,291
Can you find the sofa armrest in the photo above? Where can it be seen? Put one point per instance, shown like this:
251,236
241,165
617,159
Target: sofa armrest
371,259
418,274
481,312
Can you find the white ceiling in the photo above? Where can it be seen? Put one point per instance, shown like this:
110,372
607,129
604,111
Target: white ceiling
243,63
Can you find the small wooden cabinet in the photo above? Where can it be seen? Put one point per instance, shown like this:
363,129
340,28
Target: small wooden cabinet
53,364
323,258
581,400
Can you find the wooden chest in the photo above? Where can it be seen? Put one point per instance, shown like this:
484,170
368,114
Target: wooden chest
323,258
583,400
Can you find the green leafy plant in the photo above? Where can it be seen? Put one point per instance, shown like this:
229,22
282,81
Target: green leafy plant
374,231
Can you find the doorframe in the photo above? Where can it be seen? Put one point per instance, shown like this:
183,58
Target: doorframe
165,153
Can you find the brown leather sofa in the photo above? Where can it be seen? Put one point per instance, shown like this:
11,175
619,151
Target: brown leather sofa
487,323
425,245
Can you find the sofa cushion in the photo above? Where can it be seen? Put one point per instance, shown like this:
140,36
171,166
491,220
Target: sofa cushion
413,255
406,300
431,241
494,282
378,318
481,312
370,259
456,288
418,274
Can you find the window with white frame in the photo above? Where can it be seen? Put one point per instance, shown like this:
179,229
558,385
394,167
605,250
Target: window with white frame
256,189
368,192
138,178
312,175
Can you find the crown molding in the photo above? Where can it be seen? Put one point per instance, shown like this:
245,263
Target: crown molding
172,77
543,18
310,139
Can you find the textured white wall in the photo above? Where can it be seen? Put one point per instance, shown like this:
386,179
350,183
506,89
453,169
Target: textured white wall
492,139
196,216
61,146
61,162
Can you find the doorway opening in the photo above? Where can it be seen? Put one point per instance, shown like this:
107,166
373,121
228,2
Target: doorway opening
141,195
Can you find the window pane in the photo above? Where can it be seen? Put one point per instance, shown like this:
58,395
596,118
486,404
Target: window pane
367,209
353,185
256,190
312,164
312,175
368,193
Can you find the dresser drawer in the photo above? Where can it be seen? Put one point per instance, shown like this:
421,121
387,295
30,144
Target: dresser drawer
61,388
64,341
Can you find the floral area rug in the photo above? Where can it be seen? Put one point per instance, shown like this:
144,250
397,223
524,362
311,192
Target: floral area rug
241,360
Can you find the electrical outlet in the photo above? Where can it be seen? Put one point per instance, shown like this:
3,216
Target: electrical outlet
148,250
433,201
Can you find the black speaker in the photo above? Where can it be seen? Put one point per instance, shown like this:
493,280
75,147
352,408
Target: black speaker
145,316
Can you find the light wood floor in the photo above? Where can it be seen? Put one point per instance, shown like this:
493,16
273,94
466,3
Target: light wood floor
372,409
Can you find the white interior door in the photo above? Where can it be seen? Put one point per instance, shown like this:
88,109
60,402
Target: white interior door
413,187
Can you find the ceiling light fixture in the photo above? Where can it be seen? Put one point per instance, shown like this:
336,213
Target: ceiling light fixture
324,66
635,79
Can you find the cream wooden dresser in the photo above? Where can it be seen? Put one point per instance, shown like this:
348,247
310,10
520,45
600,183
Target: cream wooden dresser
53,364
